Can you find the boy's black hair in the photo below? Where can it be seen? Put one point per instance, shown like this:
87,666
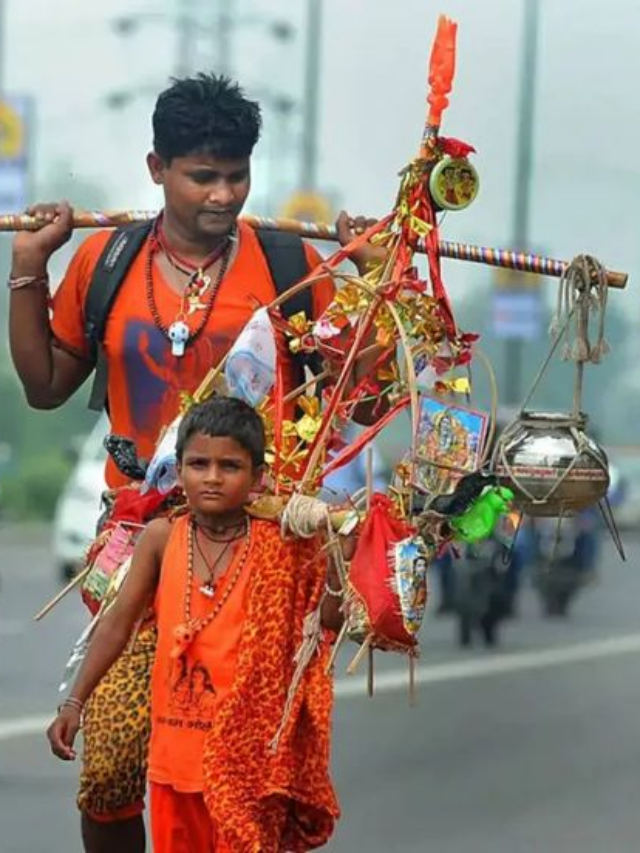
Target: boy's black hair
205,114
224,417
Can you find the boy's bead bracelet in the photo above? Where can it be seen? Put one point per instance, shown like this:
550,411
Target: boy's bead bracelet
23,281
70,702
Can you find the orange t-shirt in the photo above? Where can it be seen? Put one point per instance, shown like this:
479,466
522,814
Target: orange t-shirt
186,691
145,380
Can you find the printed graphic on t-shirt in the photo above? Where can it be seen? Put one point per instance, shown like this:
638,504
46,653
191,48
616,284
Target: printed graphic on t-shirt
155,378
192,695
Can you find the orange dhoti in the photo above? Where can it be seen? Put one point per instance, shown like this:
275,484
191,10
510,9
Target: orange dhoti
180,823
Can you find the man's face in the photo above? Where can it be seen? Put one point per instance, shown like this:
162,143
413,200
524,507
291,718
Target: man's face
204,195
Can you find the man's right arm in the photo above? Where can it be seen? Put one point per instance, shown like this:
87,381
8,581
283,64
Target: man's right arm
48,373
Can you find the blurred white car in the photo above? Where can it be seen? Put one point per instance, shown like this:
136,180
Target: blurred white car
627,508
78,507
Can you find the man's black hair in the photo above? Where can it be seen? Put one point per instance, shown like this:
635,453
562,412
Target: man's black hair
224,417
205,114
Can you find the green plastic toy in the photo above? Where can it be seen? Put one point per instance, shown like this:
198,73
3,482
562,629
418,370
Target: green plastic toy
479,521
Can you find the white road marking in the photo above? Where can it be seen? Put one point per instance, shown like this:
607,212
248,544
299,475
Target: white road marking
19,727
387,682
391,681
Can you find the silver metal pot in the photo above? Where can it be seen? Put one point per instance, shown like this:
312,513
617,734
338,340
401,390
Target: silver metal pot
551,464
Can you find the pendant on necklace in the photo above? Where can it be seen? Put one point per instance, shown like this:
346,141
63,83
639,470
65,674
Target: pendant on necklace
208,589
198,286
178,333
204,281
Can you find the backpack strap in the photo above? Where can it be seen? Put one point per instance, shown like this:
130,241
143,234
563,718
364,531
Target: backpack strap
117,256
288,264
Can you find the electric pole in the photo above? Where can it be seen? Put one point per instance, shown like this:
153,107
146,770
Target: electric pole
310,107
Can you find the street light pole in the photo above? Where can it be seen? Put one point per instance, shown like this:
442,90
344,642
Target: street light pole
524,168
185,35
224,32
310,107
526,123
2,46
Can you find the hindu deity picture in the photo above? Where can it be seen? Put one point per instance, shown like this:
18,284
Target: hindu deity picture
451,434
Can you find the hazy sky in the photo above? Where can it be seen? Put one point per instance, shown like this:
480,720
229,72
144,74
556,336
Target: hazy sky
586,167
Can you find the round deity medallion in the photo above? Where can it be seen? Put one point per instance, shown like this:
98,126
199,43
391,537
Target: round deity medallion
454,183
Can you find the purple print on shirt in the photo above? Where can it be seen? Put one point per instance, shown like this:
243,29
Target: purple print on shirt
156,378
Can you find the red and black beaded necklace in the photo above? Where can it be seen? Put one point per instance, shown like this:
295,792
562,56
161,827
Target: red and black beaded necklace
199,283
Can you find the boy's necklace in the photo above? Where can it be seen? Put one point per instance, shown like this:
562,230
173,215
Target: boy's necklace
208,588
185,633
210,532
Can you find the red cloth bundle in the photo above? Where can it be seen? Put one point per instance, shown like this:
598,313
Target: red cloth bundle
372,575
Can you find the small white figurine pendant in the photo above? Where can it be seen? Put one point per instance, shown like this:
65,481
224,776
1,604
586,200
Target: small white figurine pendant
208,589
178,334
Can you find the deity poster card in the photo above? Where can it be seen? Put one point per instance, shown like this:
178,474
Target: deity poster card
449,443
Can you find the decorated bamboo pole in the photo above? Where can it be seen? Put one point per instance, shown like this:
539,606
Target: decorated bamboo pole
505,258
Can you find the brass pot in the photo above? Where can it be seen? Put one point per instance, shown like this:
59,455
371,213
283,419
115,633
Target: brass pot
553,467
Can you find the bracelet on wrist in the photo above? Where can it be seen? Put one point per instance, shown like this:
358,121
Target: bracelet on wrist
333,593
21,281
71,702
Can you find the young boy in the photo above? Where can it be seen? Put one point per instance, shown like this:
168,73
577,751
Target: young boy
229,770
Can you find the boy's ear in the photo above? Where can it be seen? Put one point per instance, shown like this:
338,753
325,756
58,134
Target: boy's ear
258,474
179,473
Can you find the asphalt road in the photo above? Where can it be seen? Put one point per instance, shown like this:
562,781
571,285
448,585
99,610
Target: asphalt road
534,748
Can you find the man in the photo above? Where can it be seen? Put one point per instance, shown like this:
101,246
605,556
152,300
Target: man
187,294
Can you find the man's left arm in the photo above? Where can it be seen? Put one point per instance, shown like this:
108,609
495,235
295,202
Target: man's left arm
369,411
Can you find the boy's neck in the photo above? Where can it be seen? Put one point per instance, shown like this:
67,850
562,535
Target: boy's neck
221,523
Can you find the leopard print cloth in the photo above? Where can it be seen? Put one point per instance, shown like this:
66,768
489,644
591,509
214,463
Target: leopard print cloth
116,729
258,798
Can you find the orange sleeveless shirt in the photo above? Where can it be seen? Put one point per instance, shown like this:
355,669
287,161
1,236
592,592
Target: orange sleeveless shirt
216,711
185,692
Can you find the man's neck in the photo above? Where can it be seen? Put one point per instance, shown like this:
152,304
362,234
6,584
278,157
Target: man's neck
186,245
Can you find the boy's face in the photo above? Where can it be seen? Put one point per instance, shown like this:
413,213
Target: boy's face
217,475
204,195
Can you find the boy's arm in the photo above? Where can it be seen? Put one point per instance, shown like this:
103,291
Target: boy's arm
331,613
48,373
112,634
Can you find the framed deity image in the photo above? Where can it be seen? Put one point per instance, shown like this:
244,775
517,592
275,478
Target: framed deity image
449,442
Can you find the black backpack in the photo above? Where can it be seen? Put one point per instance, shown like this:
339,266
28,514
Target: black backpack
287,264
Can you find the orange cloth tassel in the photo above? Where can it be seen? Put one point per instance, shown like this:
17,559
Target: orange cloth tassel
442,68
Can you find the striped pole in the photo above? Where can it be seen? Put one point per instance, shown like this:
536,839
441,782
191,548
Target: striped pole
520,261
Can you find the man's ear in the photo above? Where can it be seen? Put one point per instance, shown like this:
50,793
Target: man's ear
156,166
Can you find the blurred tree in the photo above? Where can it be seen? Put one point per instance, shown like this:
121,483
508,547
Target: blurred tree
31,492
38,444
38,440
